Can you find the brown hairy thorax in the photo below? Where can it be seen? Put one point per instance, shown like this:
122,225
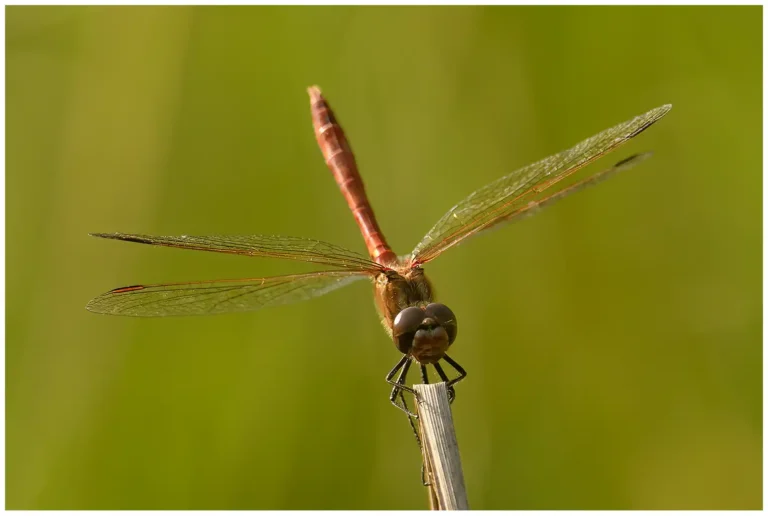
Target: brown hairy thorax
395,290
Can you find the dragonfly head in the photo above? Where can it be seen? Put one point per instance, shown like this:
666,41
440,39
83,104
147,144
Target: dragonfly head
425,331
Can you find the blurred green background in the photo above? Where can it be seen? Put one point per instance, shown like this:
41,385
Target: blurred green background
613,342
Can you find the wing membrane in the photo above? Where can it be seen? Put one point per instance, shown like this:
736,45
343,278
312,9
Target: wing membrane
505,198
534,205
219,296
292,248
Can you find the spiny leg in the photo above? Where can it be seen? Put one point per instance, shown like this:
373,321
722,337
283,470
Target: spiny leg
444,377
399,384
405,363
395,369
459,369
412,422
392,373
424,377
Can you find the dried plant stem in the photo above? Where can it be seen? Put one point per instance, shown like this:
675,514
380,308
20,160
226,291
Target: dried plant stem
441,450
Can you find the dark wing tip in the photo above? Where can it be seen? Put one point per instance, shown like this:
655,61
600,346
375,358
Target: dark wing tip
126,237
123,290
101,304
111,236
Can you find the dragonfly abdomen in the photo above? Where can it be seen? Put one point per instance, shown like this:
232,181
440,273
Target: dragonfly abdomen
340,160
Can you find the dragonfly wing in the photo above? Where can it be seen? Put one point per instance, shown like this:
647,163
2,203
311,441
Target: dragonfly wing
501,200
292,248
535,204
219,296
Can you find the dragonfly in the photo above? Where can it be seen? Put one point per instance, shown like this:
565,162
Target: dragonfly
421,329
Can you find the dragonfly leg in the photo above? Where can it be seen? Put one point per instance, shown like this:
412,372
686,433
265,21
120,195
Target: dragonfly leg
411,417
444,377
412,422
399,385
395,369
459,369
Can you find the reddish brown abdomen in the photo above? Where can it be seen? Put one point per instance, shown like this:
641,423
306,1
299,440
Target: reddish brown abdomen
340,160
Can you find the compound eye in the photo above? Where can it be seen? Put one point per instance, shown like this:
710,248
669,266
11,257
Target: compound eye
404,327
444,317
407,321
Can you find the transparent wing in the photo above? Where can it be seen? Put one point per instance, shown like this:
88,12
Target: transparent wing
503,199
219,296
292,248
534,205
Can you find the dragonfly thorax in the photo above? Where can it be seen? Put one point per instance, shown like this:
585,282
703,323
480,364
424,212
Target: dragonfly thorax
396,290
